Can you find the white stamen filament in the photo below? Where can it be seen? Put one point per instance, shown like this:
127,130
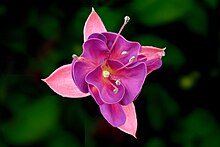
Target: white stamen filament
115,90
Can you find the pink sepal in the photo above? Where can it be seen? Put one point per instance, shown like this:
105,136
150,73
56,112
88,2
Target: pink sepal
130,125
61,82
93,24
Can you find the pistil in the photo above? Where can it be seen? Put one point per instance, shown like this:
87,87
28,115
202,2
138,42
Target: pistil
126,20
105,73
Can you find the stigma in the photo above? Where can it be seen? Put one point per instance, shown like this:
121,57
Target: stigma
105,73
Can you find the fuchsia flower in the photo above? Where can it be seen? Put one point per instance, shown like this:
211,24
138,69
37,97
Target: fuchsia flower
111,69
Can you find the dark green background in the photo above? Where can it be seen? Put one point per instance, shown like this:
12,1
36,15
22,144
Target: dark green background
178,105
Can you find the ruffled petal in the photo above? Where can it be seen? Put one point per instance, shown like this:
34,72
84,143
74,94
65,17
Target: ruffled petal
133,79
113,113
61,82
151,66
130,125
93,24
123,49
79,71
95,94
95,51
105,87
98,36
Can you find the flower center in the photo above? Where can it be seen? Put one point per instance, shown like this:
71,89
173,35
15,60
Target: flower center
105,73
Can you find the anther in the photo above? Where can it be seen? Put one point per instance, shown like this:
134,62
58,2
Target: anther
132,59
115,90
75,57
163,53
124,53
118,82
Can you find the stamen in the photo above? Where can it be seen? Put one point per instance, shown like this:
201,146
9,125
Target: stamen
124,53
124,66
144,58
118,82
75,57
132,59
163,53
126,20
115,90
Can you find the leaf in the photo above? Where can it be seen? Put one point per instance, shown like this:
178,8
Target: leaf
197,20
75,27
155,142
199,128
212,3
160,106
32,122
157,12
3,10
63,139
16,40
47,25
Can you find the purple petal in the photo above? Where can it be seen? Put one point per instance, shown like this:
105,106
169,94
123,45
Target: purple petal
123,50
98,36
113,113
114,64
95,51
79,71
95,94
105,87
151,66
133,79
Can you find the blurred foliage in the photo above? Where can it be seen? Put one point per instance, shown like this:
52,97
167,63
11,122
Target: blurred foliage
198,129
177,106
32,122
158,12
155,142
160,106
